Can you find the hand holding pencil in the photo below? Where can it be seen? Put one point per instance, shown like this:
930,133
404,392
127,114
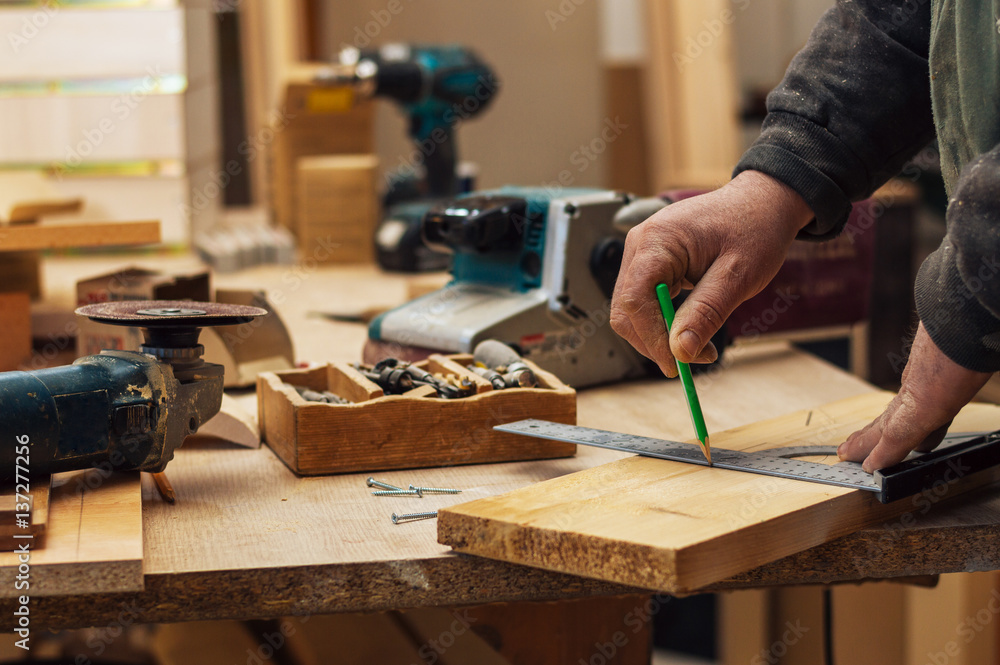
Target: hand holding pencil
684,371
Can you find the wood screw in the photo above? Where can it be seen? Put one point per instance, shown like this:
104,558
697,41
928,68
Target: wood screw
434,490
396,519
371,482
397,493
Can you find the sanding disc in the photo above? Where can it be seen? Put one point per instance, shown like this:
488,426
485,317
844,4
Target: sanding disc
170,313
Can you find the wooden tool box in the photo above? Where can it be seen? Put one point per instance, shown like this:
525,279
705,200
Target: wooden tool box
417,429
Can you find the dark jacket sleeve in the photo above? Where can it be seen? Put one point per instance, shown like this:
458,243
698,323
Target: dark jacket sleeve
853,107
958,286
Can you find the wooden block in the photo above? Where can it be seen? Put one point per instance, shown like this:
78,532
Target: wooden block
628,155
378,432
25,196
11,506
93,541
21,271
317,120
69,235
337,208
15,330
676,527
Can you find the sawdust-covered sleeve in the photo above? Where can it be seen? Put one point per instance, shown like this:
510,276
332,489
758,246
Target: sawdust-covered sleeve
958,286
853,107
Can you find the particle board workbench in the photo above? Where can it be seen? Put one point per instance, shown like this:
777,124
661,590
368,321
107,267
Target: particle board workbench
249,539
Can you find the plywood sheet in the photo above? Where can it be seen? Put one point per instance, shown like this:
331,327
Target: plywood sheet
93,541
677,527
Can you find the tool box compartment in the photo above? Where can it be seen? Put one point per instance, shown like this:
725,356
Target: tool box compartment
376,432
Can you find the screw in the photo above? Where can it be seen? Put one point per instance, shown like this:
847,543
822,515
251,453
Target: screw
396,519
371,482
434,490
397,493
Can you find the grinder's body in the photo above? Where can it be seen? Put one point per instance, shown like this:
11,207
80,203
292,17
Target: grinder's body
129,409
121,407
532,269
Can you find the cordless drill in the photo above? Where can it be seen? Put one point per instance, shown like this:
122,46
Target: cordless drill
437,87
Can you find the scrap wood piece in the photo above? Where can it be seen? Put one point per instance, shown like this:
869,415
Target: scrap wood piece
66,235
18,523
93,541
677,527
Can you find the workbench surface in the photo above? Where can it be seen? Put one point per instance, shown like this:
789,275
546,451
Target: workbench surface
247,538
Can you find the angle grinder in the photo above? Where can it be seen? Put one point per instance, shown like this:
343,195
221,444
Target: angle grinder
131,409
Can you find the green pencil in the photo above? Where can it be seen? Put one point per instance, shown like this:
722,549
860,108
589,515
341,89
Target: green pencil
697,418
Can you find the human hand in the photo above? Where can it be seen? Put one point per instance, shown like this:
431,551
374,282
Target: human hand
934,389
727,244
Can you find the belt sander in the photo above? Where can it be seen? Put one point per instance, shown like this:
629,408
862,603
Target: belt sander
531,268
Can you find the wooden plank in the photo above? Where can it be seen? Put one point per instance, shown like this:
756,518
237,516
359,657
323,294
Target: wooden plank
677,527
38,519
93,541
68,235
691,93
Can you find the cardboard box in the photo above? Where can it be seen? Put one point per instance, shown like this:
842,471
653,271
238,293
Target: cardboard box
337,208
316,120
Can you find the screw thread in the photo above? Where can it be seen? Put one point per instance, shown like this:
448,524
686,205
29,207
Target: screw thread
435,490
409,517
396,493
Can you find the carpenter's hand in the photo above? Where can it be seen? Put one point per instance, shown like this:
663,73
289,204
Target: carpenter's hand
728,244
933,391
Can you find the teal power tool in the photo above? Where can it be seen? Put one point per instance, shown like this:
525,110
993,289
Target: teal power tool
437,87
129,409
532,268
